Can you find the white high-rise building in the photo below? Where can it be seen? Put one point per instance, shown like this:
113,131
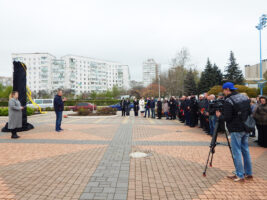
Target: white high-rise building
78,73
151,71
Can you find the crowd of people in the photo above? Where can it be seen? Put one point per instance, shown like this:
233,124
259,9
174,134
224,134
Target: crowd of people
197,111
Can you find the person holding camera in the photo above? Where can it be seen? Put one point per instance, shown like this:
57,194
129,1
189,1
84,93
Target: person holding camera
235,109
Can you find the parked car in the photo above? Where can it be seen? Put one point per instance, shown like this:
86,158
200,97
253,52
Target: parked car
118,106
43,103
83,105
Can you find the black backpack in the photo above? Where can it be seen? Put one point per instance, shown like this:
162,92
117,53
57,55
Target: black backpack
244,113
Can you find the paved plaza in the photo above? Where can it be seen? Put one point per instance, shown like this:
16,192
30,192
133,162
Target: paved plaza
90,160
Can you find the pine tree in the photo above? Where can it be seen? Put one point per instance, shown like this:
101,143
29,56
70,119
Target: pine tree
190,85
206,79
233,73
218,76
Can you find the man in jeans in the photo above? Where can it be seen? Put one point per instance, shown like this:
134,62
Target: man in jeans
59,107
152,107
236,105
147,107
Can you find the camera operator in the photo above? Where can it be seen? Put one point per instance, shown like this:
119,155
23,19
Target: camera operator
211,113
234,104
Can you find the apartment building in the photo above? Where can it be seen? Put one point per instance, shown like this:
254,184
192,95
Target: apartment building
78,73
151,71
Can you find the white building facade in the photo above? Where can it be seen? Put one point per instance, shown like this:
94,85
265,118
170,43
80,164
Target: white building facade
70,72
6,81
151,71
252,72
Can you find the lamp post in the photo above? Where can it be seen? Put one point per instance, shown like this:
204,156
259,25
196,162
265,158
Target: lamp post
260,26
159,84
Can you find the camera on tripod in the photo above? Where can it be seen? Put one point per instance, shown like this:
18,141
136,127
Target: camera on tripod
213,107
216,105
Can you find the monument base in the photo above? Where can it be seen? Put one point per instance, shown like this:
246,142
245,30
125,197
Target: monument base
25,127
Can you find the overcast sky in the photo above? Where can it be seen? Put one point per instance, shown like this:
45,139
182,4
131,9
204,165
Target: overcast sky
132,31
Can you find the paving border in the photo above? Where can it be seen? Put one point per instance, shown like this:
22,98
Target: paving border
110,179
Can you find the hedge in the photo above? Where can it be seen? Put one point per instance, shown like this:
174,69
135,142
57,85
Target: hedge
3,103
4,111
96,102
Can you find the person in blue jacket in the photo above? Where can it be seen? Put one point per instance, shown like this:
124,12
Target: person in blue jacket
59,107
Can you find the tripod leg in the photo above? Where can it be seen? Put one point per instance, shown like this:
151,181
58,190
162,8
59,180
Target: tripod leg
205,170
228,142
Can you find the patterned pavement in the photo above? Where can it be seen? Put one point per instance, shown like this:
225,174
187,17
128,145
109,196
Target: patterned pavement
90,160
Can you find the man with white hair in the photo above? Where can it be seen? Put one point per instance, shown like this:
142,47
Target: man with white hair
212,114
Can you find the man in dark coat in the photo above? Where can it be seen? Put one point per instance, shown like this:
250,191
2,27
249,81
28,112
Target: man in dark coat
122,107
159,108
147,107
173,107
136,107
193,111
152,107
182,109
187,111
236,110
201,110
59,107
127,107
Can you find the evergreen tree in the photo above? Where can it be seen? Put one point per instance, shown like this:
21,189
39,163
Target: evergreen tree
232,71
190,86
218,76
206,79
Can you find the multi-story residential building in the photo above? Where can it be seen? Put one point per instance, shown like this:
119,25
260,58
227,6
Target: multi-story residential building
77,73
151,71
252,72
6,81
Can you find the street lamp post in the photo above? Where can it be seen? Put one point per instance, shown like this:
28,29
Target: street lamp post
260,26
159,85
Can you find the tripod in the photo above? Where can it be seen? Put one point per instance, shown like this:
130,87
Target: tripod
213,144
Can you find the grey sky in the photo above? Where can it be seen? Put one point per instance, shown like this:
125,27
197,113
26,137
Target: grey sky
132,31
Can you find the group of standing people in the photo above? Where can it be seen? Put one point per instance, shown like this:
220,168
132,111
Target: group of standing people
151,107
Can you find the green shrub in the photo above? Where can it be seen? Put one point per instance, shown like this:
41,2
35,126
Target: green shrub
30,111
3,111
3,103
107,111
66,108
48,109
84,112
95,102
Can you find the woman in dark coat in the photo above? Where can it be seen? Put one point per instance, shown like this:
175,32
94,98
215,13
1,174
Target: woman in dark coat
260,116
136,107
14,114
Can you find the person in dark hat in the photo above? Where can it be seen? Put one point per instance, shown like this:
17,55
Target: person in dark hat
260,116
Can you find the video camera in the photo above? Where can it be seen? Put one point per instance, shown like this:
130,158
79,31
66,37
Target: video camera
216,105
